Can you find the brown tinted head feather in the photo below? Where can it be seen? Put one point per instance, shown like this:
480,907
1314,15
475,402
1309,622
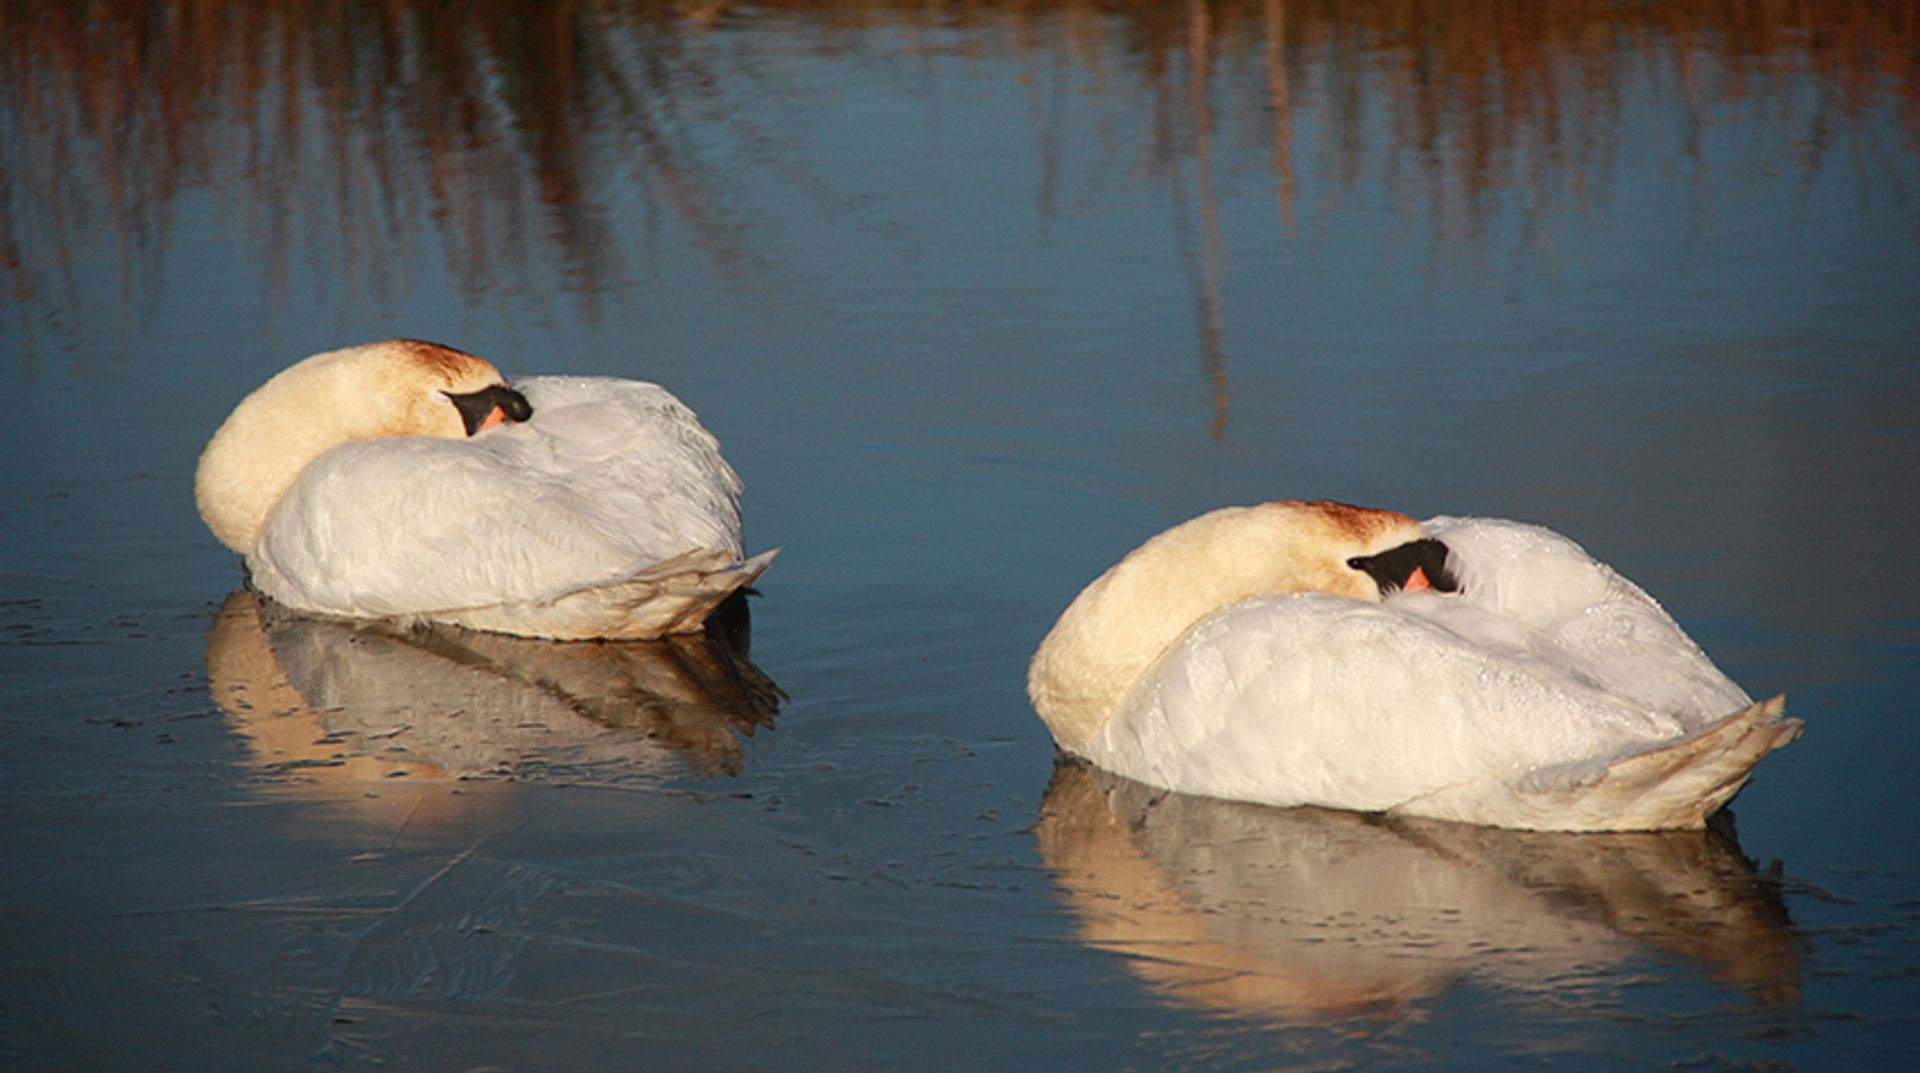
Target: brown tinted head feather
444,361
1364,525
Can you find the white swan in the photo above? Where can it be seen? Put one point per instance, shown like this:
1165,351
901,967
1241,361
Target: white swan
1477,670
406,480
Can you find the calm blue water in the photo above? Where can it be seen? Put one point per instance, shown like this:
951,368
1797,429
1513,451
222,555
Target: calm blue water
976,300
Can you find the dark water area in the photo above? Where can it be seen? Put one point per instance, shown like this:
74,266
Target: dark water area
976,297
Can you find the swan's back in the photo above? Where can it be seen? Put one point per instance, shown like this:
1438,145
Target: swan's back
1577,614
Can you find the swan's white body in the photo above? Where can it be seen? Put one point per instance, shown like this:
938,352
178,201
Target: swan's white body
609,514
1547,693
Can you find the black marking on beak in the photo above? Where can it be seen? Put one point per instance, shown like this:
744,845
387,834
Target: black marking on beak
1390,569
476,406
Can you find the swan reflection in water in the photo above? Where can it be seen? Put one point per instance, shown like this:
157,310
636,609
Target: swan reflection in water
1300,915
332,704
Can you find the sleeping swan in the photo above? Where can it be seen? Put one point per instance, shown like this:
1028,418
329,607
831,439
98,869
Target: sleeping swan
407,480
1313,653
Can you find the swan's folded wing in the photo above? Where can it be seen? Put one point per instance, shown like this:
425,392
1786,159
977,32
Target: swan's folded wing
1309,699
413,526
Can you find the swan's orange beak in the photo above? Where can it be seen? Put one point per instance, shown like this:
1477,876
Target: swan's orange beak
1417,581
495,416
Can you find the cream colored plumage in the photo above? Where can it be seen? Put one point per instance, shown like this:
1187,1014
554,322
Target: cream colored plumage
354,489
1240,655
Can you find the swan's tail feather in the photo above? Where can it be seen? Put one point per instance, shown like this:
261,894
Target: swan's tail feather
1677,785
671,596
1681,784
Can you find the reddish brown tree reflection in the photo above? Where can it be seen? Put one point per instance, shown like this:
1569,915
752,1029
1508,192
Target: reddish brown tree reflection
350,124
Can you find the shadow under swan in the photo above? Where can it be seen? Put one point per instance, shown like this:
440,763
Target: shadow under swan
337,702
1305,915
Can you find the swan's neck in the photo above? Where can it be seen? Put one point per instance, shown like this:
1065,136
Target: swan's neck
1115,630
251,462
306,410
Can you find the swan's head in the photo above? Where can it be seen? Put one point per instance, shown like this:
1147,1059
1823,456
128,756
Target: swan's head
401,387
1412,562
1229,555
1120,624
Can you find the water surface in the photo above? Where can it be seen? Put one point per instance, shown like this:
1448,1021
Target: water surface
977,297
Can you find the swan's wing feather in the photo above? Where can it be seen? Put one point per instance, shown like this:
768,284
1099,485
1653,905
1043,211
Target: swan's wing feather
414,526
1311,699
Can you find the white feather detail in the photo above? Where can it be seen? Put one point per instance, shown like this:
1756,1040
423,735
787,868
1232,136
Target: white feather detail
516,528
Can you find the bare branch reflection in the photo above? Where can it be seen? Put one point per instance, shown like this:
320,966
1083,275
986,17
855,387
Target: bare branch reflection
350,128
1207,301
512,136
1302,915
1285,186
